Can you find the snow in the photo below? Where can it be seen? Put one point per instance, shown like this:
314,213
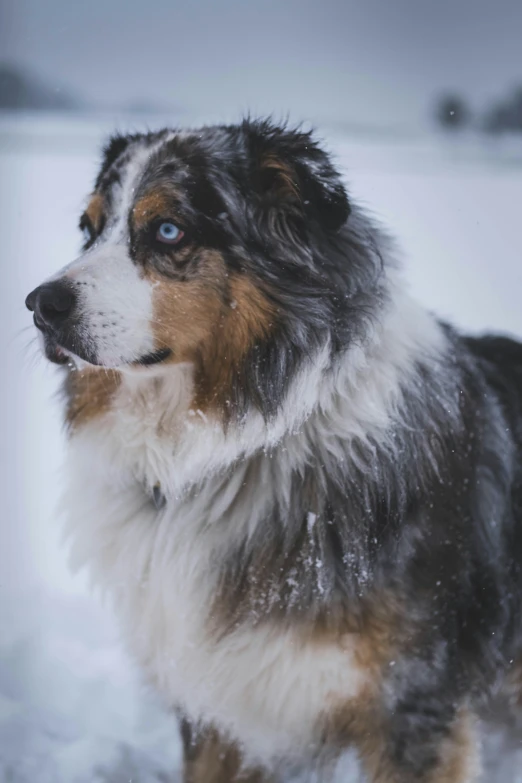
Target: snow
72,707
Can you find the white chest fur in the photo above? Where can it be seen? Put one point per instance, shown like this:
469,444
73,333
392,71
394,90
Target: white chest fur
263,683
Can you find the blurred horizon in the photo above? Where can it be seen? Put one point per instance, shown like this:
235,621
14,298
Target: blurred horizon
372,64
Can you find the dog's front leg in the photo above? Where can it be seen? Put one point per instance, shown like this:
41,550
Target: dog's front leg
423,750
209,757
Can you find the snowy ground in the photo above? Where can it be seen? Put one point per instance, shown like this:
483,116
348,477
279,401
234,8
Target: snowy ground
72,709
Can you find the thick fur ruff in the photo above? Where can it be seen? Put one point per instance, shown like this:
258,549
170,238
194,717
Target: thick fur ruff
335,563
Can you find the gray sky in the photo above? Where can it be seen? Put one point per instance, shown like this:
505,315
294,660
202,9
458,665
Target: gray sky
377,61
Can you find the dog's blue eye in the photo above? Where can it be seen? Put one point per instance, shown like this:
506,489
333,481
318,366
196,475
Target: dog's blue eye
87,234
169,233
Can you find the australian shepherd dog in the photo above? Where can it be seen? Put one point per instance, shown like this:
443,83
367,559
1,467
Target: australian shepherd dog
302,491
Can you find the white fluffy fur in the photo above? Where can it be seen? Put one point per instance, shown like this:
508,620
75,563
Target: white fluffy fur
263,684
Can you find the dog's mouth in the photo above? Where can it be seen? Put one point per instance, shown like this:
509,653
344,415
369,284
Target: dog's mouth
156,357
55,353
63,347
59,354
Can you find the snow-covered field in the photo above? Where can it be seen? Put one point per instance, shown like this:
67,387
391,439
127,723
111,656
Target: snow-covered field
72,708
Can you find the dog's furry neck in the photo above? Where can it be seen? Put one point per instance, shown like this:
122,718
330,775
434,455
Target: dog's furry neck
317,485
333,405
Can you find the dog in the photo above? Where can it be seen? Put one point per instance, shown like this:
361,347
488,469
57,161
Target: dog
302,491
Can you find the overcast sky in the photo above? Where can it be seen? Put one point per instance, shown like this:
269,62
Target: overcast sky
367,61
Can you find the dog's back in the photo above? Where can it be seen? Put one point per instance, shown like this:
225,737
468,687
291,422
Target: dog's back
500,359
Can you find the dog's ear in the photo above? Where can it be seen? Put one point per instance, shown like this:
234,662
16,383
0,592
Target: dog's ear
289,169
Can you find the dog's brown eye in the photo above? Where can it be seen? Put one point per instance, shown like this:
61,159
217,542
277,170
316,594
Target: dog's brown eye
169,234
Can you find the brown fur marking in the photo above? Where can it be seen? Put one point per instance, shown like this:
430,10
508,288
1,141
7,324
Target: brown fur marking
210,320
459,758
156,203
95,211
247,317
90,393
283,180
212,759
376,629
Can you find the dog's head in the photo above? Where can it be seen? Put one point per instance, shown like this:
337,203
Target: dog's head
229,248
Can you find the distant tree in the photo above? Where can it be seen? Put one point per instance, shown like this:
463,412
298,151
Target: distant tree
21,90
452,112
505,115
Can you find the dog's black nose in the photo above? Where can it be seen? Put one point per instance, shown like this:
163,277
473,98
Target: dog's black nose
52,303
